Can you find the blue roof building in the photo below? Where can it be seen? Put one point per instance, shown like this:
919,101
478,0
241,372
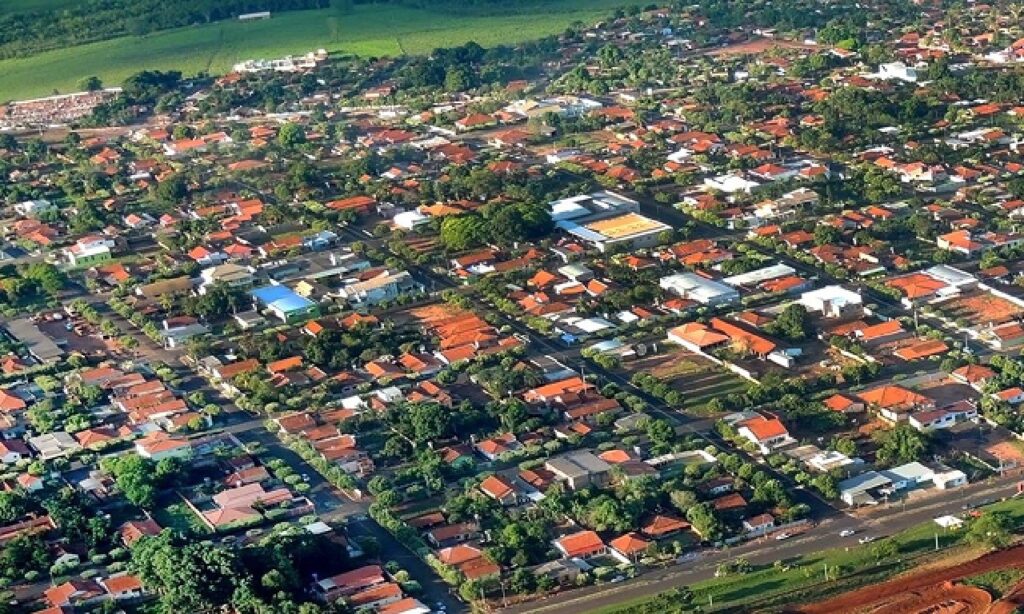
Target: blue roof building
284,303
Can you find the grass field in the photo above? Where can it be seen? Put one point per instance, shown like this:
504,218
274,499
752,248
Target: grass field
369,30
31,6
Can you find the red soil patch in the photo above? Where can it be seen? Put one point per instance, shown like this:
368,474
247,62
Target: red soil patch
758,46
931,592
941,599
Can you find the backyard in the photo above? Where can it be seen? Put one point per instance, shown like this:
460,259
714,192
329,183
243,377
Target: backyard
698,379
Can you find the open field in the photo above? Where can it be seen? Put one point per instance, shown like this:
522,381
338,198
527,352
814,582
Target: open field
757,47
919,592
369,30
800,580
697,378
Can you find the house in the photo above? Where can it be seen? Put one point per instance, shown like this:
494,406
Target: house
54,445
974,375
844,404
758,525
34,208
1013,396
583,545
936,419
349,583
13,451
494,447
123,586
499,489
469,560
631,545
229,274
767,433
661,526
451,534
562,571
158,446
89,251
385,287
243,503
75,592
134,530
894,403
697,337
409,605
580,469
376,597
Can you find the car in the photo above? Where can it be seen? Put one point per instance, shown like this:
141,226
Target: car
846,532
867,539
782,536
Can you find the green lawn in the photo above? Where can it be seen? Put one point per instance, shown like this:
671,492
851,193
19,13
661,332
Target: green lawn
370,30
177,516
771,587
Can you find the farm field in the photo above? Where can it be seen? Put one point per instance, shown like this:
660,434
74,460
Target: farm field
369,30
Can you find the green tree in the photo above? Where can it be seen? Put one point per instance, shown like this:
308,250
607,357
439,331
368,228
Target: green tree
188,576
172,190
135,478
991,529
884,550
901,444
291,135
792,324
91,84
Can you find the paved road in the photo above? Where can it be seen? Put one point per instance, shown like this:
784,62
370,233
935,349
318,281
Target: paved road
878,522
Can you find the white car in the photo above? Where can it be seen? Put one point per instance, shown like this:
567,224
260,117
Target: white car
782,536
846,532
867,539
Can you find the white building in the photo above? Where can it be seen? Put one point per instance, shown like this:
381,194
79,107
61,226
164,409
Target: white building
597,204
832,301
897,71
731,184
32,208
701,289
384,287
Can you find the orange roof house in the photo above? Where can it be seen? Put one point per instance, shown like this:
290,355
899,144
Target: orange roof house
661,525
916,286
499,489
767,432
630,544
922,349
583,544
696,335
